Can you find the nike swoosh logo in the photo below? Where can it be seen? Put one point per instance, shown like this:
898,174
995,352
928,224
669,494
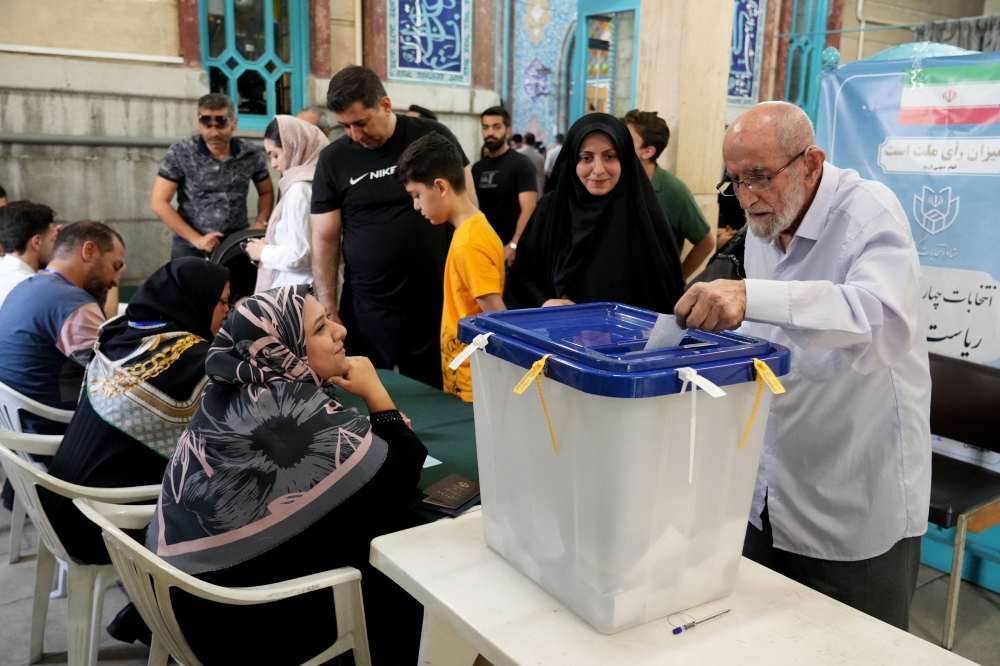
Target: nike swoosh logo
354,181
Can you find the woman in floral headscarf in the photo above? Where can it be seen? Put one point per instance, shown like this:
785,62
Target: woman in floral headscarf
285,254
274,479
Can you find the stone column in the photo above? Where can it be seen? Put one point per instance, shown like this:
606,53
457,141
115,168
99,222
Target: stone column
683,74
332,22
320,62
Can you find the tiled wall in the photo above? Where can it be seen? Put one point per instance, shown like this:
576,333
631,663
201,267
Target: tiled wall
430,41
540,33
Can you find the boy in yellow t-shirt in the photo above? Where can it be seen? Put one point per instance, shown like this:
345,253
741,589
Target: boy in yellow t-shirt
431,171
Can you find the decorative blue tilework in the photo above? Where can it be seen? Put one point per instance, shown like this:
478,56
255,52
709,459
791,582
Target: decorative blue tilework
536,79
744,61
541,31
430,40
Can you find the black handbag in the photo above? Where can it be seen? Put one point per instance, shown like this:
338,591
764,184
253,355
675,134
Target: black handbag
727,264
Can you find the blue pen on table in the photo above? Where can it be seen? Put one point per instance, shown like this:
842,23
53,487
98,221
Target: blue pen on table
692,625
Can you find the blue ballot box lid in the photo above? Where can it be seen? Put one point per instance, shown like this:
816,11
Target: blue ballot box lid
599,348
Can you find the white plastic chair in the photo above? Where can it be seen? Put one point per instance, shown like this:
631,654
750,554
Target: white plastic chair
87,582
42,443
148,580
11,404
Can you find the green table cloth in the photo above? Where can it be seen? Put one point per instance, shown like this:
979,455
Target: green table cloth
443,422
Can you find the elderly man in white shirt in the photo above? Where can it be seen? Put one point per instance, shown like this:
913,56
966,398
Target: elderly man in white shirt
26,235
843,485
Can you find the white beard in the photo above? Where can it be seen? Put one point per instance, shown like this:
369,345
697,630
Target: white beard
781,216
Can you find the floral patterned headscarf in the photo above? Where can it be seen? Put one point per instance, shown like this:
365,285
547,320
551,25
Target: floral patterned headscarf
264,341
269,452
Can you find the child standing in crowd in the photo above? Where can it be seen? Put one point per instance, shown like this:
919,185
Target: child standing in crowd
431,171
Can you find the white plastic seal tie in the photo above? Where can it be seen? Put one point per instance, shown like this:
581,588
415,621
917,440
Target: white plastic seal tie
690,377
477,343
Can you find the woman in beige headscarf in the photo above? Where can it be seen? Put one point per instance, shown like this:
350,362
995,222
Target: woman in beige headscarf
284,255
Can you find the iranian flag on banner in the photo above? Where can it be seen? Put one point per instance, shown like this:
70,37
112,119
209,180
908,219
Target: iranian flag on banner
967,95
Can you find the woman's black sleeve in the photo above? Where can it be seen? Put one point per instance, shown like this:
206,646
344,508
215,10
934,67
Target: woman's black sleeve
526,274
406,453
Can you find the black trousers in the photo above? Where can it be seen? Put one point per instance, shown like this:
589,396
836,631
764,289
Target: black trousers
410,339
881,586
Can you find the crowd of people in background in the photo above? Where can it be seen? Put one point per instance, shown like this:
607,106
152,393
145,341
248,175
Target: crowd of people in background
376,245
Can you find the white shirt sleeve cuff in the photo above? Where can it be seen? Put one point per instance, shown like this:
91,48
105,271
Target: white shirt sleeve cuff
268,257
768,302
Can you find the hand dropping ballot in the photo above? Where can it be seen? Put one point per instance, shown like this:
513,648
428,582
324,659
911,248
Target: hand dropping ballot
665,333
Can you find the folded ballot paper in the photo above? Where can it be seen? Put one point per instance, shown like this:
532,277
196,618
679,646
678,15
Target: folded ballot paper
666,333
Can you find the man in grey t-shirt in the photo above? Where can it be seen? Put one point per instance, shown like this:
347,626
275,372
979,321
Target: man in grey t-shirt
530,150
210,174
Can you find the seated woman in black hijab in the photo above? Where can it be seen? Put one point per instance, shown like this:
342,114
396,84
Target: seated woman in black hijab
143,386
601,234
275,479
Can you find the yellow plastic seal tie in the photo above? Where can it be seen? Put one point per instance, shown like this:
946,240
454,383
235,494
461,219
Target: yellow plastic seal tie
535,373
765,373
764,376
536,369
545,410
753,414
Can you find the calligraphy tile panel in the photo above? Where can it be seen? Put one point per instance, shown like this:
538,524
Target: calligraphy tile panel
744,61
430,41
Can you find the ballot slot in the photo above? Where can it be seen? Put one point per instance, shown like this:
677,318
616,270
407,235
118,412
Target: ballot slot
637,348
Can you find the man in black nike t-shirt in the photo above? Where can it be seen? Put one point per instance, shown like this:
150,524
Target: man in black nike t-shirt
394,259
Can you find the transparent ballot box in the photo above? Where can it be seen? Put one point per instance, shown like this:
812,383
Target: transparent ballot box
622,496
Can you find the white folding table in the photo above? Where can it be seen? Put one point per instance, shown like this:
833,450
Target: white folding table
475,602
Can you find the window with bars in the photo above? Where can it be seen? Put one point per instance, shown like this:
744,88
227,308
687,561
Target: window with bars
257,52
805,54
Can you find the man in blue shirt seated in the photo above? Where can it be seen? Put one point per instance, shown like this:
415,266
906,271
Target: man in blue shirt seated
51,319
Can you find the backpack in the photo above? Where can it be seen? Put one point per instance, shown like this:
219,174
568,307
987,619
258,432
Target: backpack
727,264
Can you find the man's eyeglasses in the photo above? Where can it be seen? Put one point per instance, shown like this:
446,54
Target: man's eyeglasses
728,186
220,121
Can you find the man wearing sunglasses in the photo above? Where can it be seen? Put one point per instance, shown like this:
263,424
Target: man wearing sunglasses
843,486
210,173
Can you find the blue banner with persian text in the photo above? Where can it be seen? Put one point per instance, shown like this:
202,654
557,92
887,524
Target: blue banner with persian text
928,129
